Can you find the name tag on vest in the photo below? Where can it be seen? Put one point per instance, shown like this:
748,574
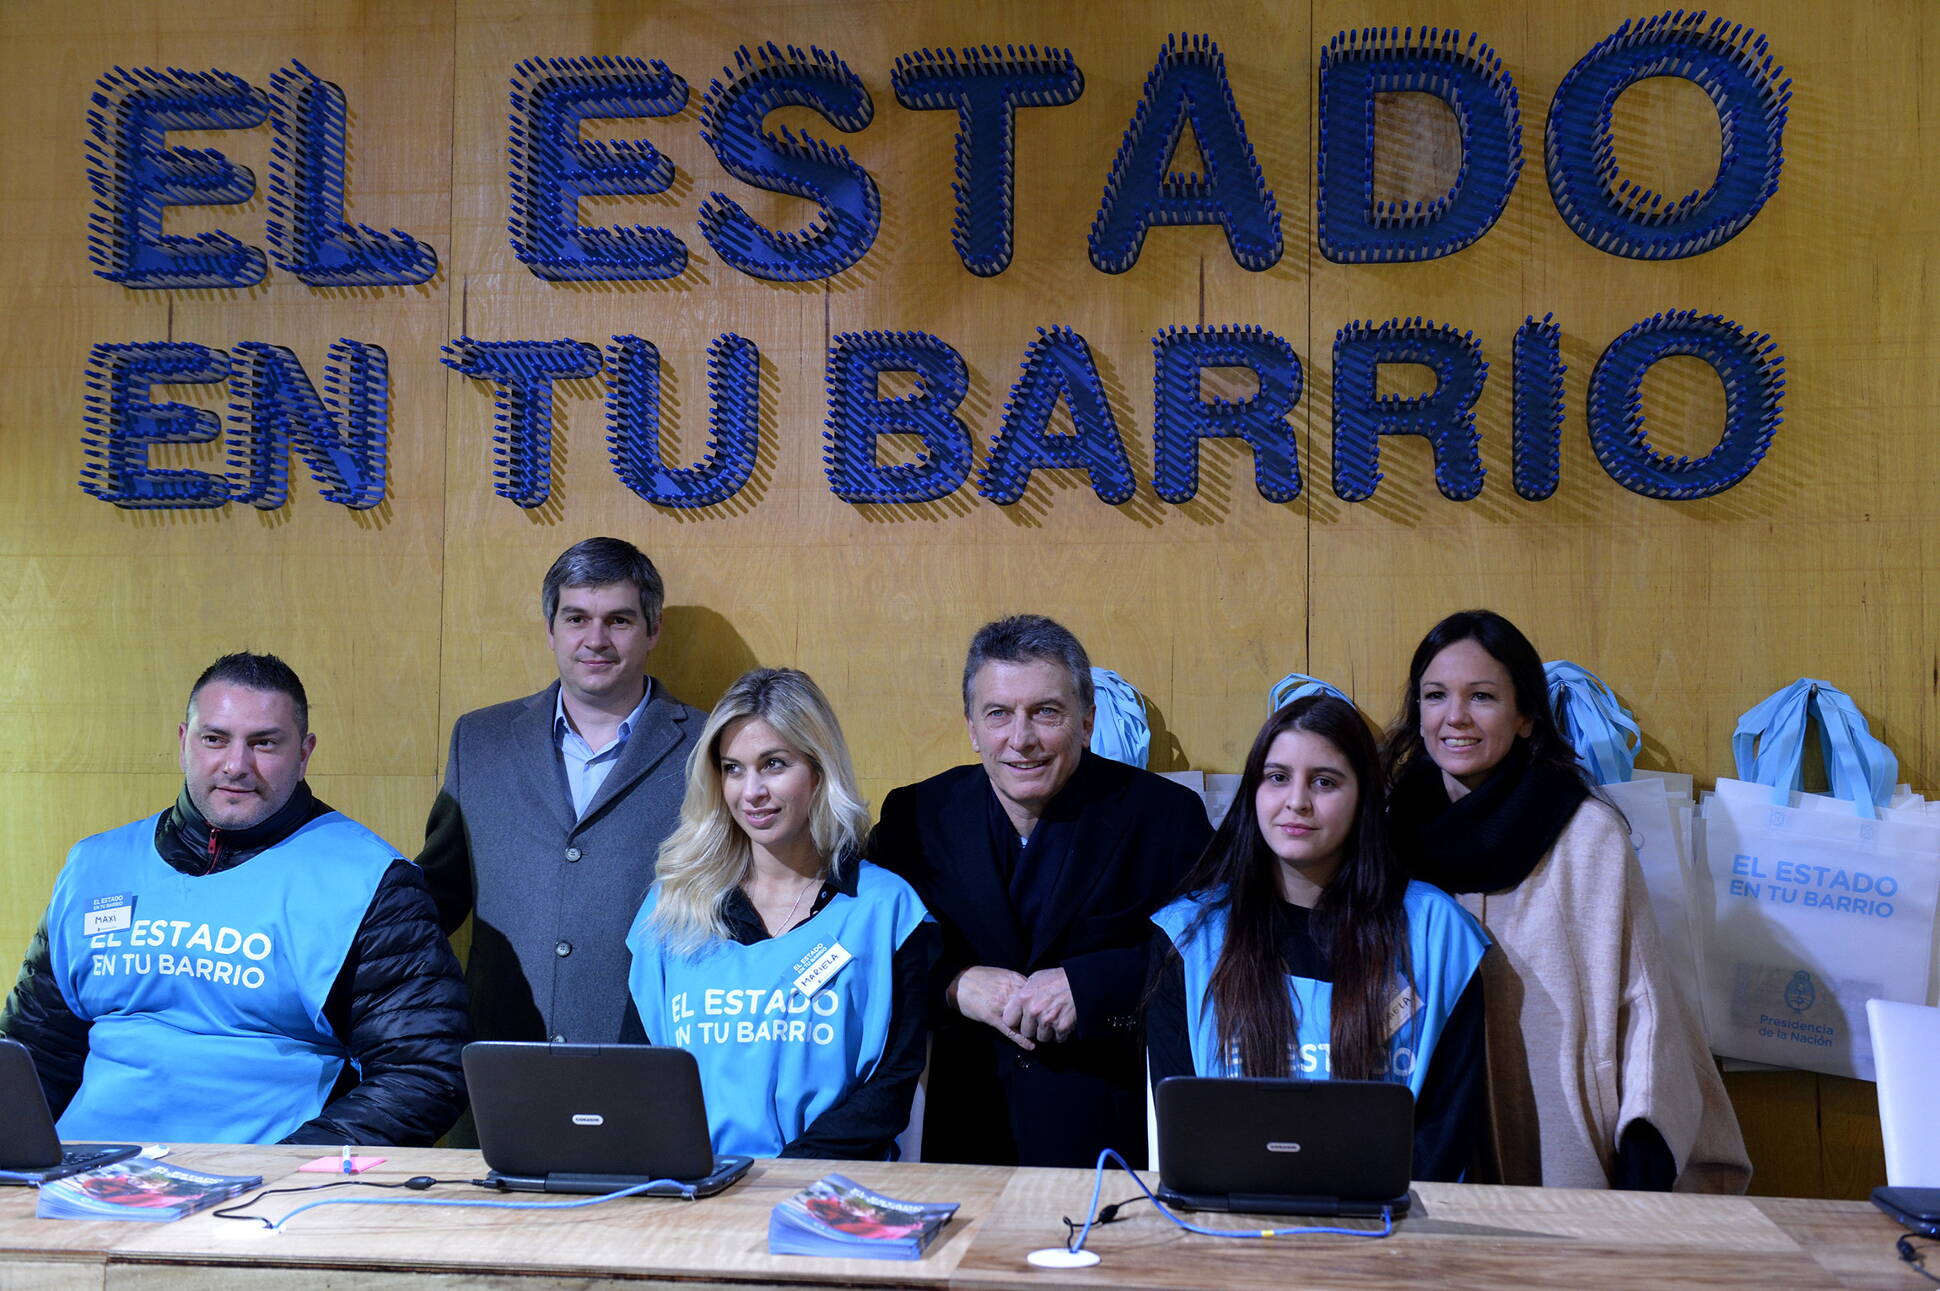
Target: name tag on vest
1400,1009
821,969
108,914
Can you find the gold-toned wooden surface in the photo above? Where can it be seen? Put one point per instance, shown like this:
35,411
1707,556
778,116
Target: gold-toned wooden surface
1809,1135
1853,1247
1458,1235
111,613
722,1238
1821,563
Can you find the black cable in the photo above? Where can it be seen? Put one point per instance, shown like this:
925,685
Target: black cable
1915,1259
417,1183
1105,1215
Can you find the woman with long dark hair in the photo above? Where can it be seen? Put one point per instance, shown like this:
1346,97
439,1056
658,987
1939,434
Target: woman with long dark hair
1598,1074
1299,948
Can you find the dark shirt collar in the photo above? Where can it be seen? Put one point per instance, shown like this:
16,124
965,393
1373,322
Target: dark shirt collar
189,843
744,921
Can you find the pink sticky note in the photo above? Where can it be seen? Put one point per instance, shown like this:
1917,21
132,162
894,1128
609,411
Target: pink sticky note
335,1165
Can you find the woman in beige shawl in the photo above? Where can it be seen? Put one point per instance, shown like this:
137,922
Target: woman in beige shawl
1599,1076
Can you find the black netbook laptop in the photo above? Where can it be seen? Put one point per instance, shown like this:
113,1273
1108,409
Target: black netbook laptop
592,1118
30,1150
1285,1147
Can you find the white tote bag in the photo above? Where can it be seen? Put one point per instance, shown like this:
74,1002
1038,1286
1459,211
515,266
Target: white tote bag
1813,907
1657,805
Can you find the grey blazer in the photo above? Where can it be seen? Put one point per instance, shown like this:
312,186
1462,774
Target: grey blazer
553,896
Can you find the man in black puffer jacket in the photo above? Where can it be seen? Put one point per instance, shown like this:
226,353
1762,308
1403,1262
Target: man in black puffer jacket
249,966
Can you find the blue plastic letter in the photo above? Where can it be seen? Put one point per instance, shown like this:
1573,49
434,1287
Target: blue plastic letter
1181,418
986,87
731,119
1354,68
1057,364
122,423
1754,386
1729,62
1537,394
307,232
1188,83
553,168
136,175
859,416
734,422
1445,416
524,372
343,436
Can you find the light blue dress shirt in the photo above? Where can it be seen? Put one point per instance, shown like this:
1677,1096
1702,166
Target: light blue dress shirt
586,767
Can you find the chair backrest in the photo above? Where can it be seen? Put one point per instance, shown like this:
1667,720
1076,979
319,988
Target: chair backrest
1151,1120
1906,1056
909,1144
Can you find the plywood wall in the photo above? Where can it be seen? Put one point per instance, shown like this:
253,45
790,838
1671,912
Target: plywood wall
402,617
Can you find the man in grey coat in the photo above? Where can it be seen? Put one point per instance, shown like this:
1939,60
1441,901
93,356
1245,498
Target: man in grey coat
554,807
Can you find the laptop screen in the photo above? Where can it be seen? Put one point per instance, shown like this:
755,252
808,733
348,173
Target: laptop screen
1285,1146
584,1109
27,1137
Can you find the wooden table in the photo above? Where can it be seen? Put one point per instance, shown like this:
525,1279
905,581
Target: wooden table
1458,1236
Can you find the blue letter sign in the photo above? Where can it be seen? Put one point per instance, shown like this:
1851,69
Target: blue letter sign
1445,416
1187,84
1729,61
553,168
136,175
986,87
731,120
1354,68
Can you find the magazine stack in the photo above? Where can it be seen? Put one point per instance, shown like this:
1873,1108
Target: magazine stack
837,1216
139,1189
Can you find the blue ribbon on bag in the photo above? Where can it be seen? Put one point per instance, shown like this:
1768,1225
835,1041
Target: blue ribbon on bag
1120,731
1599,727
1768,745
1298,685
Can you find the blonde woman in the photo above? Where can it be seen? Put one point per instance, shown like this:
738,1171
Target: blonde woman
793,970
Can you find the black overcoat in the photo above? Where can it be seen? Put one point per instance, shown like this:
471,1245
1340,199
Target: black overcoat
1134,836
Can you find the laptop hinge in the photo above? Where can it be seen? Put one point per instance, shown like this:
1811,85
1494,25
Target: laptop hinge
1280,1204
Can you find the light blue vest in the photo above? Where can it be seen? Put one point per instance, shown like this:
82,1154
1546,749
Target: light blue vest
772,1058
1444,941
206,993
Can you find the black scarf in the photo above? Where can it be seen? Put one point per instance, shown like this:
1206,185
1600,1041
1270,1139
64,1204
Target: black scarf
1491,838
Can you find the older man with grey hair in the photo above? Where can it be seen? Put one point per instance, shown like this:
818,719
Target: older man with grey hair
1041,863
554,807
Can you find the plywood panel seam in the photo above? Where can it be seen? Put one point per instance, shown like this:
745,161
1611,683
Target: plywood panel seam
1307,348
446,379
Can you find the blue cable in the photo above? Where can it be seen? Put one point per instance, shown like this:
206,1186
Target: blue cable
687,1192
1098,1187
